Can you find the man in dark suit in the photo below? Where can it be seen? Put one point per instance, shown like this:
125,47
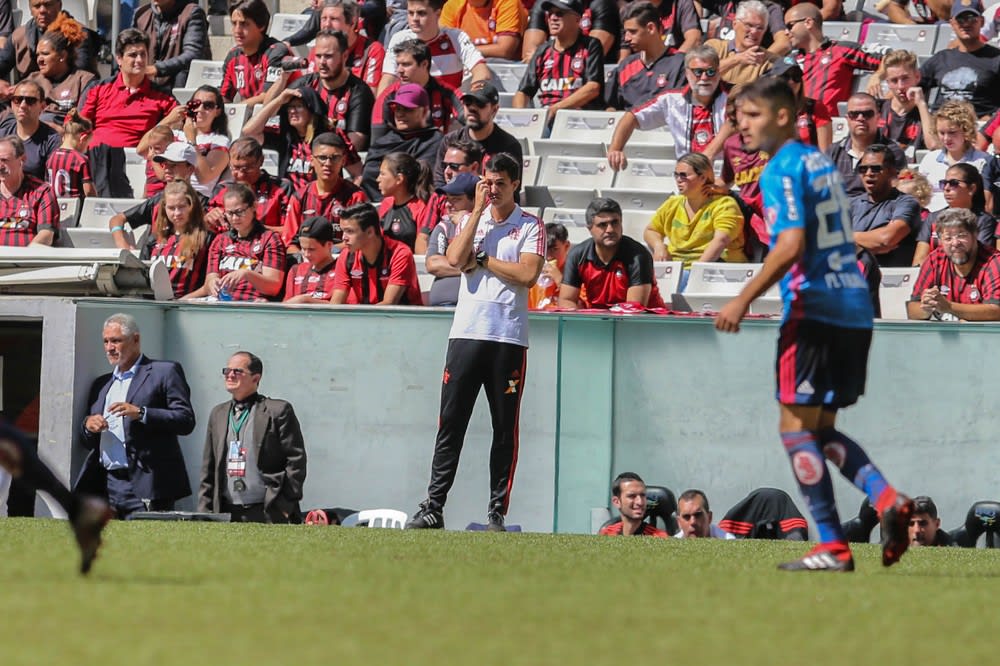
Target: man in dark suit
136,413
255,458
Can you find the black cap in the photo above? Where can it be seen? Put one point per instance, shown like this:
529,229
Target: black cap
317,228
783,67
486,93
574,6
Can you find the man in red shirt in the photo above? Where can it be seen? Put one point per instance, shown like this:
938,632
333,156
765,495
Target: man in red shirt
373,269
328,195
246,161
960,280
311,280
29,212
610,266
628,495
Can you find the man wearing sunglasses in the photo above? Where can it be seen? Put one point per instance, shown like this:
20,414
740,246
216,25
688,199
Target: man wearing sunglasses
255,457
696,115
862,121
885,221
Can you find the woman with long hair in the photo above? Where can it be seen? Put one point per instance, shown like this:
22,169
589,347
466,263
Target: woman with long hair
180,238
405,184
57,73
955,127
203,123
963,188
700,223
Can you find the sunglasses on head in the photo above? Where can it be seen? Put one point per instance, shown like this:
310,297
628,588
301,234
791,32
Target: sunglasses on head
699,72
867,114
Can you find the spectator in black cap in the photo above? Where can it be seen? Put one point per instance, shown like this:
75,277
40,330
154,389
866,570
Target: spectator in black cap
311,280
813,121
925,526
481,106
460,194
568,69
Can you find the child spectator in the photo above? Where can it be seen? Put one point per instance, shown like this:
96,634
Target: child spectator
180,238
152,144
68,166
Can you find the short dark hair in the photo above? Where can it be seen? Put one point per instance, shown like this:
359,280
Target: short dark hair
248,147
616,487
255,10
331,139
772,91
601,205
421,52
507,164
924,504
337,35
364,214
472,149
241,193
556,231
643,13
694,494
130,37
254,364
888,159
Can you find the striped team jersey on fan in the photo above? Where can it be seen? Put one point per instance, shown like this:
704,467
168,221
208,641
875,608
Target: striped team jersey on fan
559,74
828,72
452,53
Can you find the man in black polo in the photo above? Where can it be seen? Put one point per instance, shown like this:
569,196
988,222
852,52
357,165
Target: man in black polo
481,106
885,221
650,69
862,121
614,268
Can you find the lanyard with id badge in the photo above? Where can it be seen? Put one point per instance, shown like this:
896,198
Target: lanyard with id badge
236,461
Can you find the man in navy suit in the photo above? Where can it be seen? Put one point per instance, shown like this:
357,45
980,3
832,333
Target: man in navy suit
136,413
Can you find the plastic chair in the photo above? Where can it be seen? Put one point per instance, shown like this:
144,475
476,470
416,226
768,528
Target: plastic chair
983,518
661,505
388,518
895,289
859,529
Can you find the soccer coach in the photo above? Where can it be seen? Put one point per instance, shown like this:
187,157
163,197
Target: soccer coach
500,250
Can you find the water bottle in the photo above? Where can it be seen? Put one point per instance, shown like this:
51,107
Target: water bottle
224,295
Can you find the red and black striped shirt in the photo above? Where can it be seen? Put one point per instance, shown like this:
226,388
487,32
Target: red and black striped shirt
307,202
349,107
272,193
366,283
33,208
828,72
615,529
906,130
556,74
603,285
248,76
68,170
304,279
981,285
365,60
635,82
186,273
259,250
811,117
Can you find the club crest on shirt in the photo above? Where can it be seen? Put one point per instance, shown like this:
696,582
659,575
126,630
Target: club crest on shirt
661,81
577,64
974,294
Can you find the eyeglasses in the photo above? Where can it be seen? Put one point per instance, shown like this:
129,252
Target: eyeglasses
699,72
873,168
239,212
791,24
326,159
454,166
963,236
24,99
683,175
236,372
867,114
753,27
951,182
208,106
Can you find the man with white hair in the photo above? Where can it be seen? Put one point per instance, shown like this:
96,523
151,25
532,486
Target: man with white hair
696,115
744,58
774,37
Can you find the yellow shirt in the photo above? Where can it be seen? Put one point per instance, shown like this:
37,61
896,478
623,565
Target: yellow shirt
687,241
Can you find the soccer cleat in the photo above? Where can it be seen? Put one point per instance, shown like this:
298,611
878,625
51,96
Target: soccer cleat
896,530
426,518
494,522
91,517
822,558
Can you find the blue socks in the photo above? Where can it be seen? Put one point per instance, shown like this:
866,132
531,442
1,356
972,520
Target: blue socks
854,463
809,467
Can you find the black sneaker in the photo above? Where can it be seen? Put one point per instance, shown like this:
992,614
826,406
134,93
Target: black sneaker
91,517
426,518
896,530
494,522
822,558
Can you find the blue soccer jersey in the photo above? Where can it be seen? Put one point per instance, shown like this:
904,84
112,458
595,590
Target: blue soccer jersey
803,190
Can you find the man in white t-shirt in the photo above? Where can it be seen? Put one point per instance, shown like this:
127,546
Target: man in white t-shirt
694,519
452,52
500,250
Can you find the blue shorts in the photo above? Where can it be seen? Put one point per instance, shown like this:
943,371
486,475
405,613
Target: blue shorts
819,364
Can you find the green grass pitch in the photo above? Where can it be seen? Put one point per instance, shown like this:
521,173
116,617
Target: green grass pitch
189,593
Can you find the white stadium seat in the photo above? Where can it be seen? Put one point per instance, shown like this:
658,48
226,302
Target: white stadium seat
895,290
508,75
529,170
646,174
568,217
522,123
237,118
585,126
204,73
97,212
560,171
638,199
558,197
183,95
668,278
69,212
286,25
842,31
543,147
919,39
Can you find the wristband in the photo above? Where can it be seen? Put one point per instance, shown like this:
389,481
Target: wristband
117,227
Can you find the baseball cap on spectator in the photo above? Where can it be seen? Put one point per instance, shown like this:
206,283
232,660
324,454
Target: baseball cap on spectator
574,6
317,228
463,183
959,7
787,68
924,504
486,94
411,96
178,151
